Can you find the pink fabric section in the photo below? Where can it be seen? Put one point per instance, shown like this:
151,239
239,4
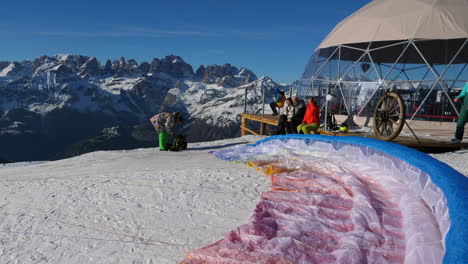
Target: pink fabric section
314,215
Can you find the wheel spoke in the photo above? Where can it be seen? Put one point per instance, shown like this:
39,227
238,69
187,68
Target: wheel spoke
392,104
387,104
394,109
391,128
394,122
379,125
385,129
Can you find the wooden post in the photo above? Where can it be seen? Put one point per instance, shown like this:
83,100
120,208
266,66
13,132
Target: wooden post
262,128
263,101
244,124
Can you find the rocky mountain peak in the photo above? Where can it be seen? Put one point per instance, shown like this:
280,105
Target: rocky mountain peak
108,67
3,65
172,65
247,74
72,61
144,67
122,63
200,71
91,67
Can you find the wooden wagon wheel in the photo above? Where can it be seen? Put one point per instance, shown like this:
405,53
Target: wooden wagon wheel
389,116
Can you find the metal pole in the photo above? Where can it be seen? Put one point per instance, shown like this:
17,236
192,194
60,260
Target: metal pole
263,96
319,71
388,46
398,59
327,128
439,78
245,100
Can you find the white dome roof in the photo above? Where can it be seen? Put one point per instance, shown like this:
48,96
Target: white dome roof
387,20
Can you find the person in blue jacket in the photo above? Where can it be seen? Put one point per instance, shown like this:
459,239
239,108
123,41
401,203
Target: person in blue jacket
278,101
463,115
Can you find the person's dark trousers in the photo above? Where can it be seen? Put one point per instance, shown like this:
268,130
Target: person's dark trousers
462,119
290,128
295,123
273,108
281,125
368,117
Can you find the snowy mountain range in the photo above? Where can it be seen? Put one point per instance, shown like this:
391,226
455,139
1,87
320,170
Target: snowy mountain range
60,106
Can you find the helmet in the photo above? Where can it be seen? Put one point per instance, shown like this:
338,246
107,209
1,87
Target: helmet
344,127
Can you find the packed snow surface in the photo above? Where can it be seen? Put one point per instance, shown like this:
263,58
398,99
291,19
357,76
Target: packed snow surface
139,206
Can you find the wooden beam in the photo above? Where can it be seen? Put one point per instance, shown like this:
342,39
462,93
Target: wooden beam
267,119
250,131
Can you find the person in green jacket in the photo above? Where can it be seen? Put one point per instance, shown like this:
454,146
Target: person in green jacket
163,123
463,115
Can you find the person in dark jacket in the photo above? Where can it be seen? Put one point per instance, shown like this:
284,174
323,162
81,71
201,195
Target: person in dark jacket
299,111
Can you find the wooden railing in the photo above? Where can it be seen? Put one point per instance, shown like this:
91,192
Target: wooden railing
263,120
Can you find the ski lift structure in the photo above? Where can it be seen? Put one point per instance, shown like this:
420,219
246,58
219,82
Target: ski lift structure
393,61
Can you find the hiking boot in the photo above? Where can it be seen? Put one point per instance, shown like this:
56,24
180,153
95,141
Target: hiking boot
455,141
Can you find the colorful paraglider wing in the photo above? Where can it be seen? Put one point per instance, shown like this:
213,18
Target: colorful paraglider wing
346,200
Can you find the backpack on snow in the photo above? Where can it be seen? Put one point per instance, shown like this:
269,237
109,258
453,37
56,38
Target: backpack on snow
180,143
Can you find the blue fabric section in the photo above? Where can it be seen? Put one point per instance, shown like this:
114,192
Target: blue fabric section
451,182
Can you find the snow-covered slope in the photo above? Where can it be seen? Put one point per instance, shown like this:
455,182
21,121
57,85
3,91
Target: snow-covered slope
61,100
138,206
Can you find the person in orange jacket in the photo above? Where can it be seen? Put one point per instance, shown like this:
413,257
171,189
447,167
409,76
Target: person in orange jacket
311,121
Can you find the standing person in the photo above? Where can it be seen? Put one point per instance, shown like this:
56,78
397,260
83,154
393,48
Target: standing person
283,124
463,115
311,121
278,101
163,123
290,127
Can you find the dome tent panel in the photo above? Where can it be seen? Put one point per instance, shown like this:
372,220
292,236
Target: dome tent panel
384,20
416,62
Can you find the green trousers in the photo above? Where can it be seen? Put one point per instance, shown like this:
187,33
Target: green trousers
307,128
163,140
462,119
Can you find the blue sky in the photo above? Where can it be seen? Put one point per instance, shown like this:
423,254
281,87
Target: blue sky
274,38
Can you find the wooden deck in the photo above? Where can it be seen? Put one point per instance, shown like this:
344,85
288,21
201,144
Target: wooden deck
430,145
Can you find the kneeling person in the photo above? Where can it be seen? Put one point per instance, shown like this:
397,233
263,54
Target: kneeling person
163,123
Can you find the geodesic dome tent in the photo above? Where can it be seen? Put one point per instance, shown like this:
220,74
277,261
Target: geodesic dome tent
418,48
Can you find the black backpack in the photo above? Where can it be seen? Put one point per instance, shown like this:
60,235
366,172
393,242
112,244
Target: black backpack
180,143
